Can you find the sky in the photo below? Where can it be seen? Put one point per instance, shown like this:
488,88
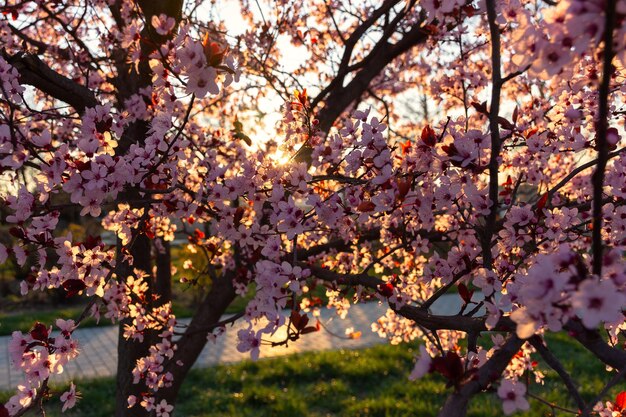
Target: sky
229,11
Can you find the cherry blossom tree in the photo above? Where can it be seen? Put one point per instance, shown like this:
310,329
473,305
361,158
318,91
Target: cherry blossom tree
442,147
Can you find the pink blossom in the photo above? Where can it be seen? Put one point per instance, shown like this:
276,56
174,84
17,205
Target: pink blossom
163,409
69,397
163,24
249,341
422,366
598,302
512,395
202,82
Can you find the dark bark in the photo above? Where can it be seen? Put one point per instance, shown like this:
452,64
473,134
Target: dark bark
129,351
594,343
129,82
191,343
33,71
602,146
339,98
494,128
457,402
163,282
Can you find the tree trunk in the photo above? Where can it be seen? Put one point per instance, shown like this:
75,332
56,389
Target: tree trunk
191,343
129,351
163,278
456,404
127,83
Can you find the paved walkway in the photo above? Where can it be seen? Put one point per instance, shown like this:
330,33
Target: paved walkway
98,345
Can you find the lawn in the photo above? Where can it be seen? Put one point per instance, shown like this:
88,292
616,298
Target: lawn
183,306
23,320
369,382
185,300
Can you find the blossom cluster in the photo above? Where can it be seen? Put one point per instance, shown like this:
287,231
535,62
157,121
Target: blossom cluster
10,87
38,355
377,209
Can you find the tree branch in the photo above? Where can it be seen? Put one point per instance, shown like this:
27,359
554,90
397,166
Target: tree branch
555,364
457,402
417,314
593,342
339,98
494,128
33,71
602,146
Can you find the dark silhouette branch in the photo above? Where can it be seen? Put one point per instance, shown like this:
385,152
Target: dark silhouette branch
33,71
338,98
602,146
555,364
457,402
494,128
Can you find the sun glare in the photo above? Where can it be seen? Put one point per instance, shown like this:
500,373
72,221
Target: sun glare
280,157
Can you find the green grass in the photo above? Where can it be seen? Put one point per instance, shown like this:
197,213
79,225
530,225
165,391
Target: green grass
185,300
369,382
23,320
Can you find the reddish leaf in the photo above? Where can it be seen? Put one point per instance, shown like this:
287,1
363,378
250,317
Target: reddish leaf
295,318
83,165
505,123
299,321
39,332
3,411
238,216
17,232
481,107
315,301
304,320
542,201
92,241
386,289
428,136
465,293
303,97
530,132
406,147
455,366
366,206
73,286
430,29
309,329
451,150
620,401
403,188
104,125
450,366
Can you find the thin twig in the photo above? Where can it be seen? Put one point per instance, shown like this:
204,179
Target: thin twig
602,146
617,378
496,81
555,364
